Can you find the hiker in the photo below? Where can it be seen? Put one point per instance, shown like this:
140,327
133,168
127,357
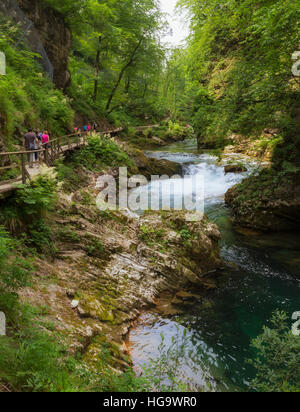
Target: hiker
37,146
85,129
45,139
30,142
39,135
95,126
77,131
89,128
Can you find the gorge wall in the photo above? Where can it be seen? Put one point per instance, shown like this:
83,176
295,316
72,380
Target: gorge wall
55,36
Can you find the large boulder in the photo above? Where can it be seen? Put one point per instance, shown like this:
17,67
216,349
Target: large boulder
149,167
235,169
266,202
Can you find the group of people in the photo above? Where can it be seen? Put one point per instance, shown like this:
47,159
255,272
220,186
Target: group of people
35,140
87,128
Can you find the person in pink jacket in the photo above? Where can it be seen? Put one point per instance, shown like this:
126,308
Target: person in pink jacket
45,138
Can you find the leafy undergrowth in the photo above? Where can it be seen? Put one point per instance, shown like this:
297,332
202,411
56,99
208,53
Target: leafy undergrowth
278,357
27,96
26,213
73,177
100,153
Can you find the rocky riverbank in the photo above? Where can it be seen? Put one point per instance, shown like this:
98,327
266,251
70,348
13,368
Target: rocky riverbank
111,265
261,148
159,135
267,202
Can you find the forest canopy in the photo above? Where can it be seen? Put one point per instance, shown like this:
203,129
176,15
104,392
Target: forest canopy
235,75
117,57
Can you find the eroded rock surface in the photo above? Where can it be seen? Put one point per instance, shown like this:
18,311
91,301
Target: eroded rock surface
110,267
266,202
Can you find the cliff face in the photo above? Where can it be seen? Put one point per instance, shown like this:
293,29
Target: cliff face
55,36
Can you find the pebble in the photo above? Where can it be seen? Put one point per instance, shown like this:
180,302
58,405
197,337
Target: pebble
74,304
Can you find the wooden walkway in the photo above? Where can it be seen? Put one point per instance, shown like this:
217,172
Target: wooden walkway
50,152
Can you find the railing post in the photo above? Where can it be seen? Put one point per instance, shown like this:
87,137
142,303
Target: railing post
23,169
46,154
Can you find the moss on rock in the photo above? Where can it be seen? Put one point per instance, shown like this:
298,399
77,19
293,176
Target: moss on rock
267,202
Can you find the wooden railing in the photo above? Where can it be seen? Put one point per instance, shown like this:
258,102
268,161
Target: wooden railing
47,154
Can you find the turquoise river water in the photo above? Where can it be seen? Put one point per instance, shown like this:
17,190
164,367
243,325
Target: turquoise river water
265,276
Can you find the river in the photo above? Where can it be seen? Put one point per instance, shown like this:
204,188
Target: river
214,339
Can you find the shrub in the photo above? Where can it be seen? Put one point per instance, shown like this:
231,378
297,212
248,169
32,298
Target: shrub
101,152
41,238
25,213
38,197
31,203
15,273
278,357
178,130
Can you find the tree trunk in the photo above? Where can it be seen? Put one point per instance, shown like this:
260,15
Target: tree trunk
127,87
145,89
97,65
124,68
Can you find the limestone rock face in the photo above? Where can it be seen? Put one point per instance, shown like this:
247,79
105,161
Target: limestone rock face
55,36
114,265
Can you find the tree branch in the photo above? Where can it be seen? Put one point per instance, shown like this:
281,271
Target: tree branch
123,70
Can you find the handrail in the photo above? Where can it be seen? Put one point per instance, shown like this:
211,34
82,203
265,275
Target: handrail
51,150
78,134
21,152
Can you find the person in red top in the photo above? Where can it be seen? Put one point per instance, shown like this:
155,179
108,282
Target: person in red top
89,128
45,139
